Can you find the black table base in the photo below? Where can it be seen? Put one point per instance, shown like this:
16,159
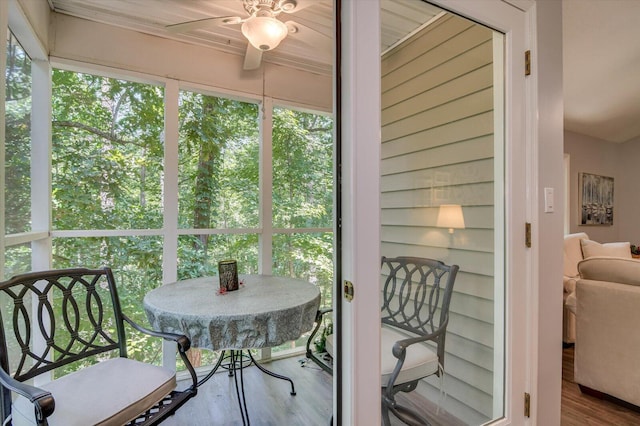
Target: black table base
236,361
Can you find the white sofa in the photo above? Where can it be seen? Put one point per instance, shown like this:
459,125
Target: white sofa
576,248
572,255
607,346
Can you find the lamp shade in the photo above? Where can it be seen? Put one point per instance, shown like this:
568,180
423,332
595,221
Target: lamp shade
450,216
264,32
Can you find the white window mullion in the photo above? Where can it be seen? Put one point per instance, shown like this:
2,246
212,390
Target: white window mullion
3,62
41,199
170,202
265,238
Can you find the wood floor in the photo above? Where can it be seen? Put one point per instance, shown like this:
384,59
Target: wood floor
579,409
268,399
270,403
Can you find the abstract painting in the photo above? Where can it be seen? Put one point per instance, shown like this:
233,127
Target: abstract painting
595,199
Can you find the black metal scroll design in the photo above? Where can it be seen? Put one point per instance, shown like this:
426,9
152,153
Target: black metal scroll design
416,297
73,315
414,293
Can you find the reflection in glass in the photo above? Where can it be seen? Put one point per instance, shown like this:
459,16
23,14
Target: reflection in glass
442,146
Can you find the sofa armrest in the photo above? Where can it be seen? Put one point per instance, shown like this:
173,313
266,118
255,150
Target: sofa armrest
569,284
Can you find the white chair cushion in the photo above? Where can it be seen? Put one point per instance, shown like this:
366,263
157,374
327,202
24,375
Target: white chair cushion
328,346
594,248
420,361
112,392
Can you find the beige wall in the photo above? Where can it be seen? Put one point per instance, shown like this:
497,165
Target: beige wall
547,312
28,15
619,161
628,192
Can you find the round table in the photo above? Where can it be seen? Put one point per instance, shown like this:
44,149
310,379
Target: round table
265,311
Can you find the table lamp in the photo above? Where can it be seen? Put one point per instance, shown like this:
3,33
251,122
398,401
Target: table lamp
450,216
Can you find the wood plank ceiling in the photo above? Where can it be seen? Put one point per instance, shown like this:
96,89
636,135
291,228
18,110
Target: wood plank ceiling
400,17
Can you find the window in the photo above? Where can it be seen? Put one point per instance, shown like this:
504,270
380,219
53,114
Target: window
218,184
110,187
17,194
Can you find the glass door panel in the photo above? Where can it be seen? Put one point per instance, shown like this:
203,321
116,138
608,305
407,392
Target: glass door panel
442,180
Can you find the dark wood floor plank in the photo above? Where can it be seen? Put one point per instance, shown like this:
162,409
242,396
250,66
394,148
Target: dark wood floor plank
579,409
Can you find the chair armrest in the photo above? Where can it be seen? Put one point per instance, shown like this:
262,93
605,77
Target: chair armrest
42,400
183,341
400,347
319,314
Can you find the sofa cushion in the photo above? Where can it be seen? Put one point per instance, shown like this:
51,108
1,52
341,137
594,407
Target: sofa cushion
618,270
573,253
594,248
111,392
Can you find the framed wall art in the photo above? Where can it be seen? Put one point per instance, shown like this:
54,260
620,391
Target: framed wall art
595,199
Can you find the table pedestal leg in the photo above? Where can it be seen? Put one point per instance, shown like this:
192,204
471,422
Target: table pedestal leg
215,368
236,359
272,374
235,367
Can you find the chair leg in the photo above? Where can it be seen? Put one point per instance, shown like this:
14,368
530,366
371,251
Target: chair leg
386,421
408,416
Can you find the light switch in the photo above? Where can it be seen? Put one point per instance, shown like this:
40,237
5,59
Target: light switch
548,200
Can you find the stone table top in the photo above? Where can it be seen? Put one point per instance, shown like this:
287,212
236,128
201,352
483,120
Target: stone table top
266,311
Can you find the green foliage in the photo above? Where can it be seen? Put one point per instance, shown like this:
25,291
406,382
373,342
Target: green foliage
17,165
107,153
108,171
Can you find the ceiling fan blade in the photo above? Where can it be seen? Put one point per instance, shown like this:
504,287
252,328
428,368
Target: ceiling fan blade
252,58
204,23
320,42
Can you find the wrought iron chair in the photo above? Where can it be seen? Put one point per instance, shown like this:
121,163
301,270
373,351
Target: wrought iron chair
323,358
415,313
70,319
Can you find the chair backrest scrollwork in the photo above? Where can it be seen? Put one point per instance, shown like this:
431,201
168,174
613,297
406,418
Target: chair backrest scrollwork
416,294
54,318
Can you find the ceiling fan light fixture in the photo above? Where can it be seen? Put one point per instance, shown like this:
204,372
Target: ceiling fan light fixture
264,32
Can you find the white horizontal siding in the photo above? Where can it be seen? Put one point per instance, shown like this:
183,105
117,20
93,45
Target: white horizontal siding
437,148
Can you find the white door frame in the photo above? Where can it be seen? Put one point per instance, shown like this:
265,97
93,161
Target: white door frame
360,139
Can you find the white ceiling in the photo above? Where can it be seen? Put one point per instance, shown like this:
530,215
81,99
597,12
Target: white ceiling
601,46
601,42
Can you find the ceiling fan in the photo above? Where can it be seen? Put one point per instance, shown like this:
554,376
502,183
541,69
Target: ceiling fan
262,28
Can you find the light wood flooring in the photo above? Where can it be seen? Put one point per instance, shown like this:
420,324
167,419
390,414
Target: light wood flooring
269,402
579,409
